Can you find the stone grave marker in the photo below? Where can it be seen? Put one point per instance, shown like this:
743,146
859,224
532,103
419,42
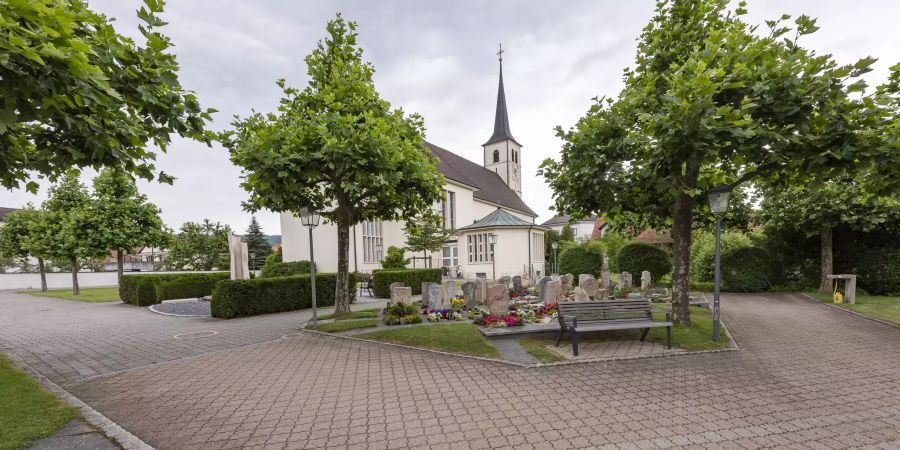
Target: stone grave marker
646,280
396,284
566,281
480,290
401,294
504,280
625,280
497,299
434,296
588,283
552,291
604,279
581,295
469,289
517,286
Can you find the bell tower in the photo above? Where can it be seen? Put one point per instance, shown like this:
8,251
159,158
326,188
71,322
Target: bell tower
502,152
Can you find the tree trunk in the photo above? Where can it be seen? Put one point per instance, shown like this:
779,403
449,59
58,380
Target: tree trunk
43,269
342,287
826,284
120,265
75,289
681,258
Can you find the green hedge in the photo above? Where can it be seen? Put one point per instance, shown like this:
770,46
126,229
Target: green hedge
410,277
581,259
746,269
879,271
284,269
637,257
145,290
239,298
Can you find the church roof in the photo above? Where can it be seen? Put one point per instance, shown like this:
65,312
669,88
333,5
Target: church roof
562,220
501,118
500,219
488,185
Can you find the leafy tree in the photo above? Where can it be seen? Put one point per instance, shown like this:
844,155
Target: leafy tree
426,233
257,245
68,228
77,94
817,208
200,246
709,102
703,251
567,233
394,259
123,216
338,147
18,240
551,237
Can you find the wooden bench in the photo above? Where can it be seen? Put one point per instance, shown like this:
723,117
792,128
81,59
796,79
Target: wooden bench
605,315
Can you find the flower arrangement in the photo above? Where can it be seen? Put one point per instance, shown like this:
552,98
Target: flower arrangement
393,314
412,318
458,303
457,316
433,316
494,321
548,309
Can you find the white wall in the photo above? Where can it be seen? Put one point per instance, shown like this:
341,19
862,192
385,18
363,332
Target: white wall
581,228
511,254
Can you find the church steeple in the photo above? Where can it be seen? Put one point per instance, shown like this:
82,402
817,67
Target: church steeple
501,118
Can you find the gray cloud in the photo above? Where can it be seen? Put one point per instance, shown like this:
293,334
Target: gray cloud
437,59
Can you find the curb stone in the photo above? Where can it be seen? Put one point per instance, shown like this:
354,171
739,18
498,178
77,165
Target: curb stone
831,305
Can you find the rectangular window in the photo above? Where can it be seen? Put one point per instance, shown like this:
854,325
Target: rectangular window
537,245
372,240
479,248
451,210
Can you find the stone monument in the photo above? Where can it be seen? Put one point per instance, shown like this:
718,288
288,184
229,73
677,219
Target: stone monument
588,283
646,280
581,295
469,289
401,294
517,286
625,281
567,281
434,296
551,293
497,299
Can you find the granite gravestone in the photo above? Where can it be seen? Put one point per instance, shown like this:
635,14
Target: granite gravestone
434,296
581,295
625,281
646,280
552,292
396,284
588,283
497,299
401,294
469,289
517,286
480,290
566,281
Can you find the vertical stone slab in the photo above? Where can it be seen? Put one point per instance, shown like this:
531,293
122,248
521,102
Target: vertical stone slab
581,295
469,289
517,285
426,300
401,294
625,281
588,283
646,280
434,296
566,281
498,298
481,290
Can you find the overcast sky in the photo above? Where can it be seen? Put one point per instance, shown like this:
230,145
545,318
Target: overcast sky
437,59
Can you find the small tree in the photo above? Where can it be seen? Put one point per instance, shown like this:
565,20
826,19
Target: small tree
18,240
426,233
257,245
200,246
567,234
394,259
336,146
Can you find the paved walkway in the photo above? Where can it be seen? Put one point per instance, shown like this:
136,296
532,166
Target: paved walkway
807,376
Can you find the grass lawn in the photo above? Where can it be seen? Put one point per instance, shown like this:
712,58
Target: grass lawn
538,348
461,338
361,314
877,306
345,325
27,411
91,295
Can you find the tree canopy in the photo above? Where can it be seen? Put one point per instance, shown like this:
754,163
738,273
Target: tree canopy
426,233
338,147
200,246
258,246
75,93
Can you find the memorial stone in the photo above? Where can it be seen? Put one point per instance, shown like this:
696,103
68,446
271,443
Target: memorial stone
469,289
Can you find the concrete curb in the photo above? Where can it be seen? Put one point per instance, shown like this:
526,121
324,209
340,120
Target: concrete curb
111,429
831,305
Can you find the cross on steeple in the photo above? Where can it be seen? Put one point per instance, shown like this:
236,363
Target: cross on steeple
500,52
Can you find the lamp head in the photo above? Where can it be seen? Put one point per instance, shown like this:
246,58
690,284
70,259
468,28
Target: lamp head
718,199
555,245
493,239
309,217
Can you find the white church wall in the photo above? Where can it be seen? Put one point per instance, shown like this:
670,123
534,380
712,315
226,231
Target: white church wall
481,209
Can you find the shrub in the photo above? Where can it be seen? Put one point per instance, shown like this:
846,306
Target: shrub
395,259
746,269
239,298
582,258
703,252
612,244
145,290
410,277
637,257
284,269
879,271
412,318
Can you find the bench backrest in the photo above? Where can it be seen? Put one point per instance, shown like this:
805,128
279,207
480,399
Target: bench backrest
605,310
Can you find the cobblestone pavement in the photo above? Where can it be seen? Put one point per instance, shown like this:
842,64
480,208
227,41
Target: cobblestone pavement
807,376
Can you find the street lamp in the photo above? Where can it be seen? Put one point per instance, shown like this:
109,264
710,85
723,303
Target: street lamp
378,247
310,219
493,256
718,204
554,245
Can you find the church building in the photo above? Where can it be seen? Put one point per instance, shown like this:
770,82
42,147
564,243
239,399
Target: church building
495,230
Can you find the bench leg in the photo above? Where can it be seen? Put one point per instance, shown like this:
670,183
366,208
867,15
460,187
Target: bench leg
669,337
574,342
561,331
644,334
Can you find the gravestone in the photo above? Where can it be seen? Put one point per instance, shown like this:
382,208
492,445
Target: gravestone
541,283
480,290
552,292
426,300
469,289
604,279
504,280
434,296
449,289
588,283
401,294
497,299
581,295
396,284
517,286
646,280
602,294
625,281
566,281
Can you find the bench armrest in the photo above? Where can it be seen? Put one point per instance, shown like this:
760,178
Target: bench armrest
562,321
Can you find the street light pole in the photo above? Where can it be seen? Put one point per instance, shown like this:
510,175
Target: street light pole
718,204
493,256
555,245
310,219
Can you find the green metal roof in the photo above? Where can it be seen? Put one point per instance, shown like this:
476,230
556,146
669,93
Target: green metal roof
501,219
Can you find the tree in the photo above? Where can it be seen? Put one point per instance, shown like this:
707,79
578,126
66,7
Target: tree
567,234
708,103
77,94
394,259
336,146
426,233
124,218
819,207
258,246
18,240
200,246
68,227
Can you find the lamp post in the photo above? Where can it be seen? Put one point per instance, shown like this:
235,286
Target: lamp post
555,246
493,256
310,219
378,255
718,205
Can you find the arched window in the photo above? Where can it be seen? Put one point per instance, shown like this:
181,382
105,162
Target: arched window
496,156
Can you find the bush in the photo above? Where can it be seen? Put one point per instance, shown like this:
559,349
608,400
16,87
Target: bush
581,258
703,252
879,271
284,269
146,290
746,269
394,260
410,277
637,257
239,298
613,243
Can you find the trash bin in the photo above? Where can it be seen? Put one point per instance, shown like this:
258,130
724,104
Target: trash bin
848,281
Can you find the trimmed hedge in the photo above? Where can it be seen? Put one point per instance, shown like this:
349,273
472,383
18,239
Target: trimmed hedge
240,298
146,290
581,259
637,257
746,269
284,269
410,277
879,271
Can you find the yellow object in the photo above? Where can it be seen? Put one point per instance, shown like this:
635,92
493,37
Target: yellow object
838,296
